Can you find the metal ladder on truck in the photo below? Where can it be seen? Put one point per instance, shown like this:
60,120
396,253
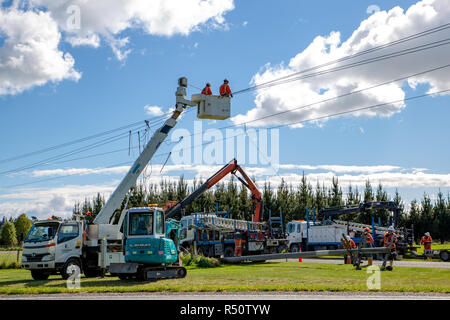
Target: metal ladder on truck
360,226
225,224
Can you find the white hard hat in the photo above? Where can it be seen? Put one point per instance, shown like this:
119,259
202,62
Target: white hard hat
391,228
347,237
427,234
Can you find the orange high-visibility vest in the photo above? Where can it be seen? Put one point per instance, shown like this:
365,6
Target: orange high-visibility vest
207,91
369,238
426,241
224,89
387,239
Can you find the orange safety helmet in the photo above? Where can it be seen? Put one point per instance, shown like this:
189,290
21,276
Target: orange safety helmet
367,229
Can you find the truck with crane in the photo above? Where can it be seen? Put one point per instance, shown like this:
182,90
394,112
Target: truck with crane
136,242
325,233
215,234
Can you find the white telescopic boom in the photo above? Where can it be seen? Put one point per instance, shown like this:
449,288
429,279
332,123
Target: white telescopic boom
144,158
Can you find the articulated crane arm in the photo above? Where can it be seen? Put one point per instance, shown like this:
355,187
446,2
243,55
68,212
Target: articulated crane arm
231,167
115,200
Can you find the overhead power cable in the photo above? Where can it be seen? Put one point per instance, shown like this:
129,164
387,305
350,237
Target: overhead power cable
274,127
151,120
396,54
371,50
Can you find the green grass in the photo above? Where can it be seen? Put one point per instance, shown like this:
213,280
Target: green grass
9,260
269,276
433,246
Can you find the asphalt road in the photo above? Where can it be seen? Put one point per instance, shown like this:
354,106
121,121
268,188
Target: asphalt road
254,296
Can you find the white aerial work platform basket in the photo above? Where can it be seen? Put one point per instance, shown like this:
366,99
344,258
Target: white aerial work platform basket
212,107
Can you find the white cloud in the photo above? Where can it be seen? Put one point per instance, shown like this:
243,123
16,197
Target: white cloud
29,55
79,171
44,202
380,28
154,110
109,18
32,30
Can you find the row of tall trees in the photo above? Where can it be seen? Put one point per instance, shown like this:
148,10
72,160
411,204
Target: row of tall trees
292,201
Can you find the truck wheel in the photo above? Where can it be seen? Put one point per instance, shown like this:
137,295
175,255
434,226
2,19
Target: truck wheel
39,275
294,248
91,273
444,255
71,267
229,252
123,276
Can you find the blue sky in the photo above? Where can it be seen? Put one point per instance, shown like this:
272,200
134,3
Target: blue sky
112,93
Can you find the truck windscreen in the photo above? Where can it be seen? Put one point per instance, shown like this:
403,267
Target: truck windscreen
42,232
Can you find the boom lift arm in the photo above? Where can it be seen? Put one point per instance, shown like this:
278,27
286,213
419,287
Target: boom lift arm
388,205
231,167
116,198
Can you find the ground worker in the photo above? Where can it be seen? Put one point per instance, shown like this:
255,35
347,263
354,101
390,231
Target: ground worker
390,238
368,243
225,90
352,246
426,241
207,90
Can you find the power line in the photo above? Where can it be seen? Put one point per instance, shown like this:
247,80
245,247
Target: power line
151,120
331,99
67,154
274,127
48,161
371,50
400,53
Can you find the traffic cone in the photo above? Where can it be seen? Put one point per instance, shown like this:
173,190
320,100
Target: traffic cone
300,259
349,260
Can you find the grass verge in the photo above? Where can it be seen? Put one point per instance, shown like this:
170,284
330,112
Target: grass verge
269,276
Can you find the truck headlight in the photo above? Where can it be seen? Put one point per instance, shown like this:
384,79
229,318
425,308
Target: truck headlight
48,257
24,259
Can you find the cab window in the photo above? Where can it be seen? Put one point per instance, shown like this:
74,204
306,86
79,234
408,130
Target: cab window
159,222
141,223
298,228
291,228
67,232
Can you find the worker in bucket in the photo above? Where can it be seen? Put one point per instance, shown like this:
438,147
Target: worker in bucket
207,90
368,243
225,90
390,238
426,241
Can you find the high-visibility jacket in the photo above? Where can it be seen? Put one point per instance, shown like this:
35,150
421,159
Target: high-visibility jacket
369,238
352,243
426,241
387,239
207,91
224,89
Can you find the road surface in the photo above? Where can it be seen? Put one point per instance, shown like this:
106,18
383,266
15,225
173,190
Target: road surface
255,296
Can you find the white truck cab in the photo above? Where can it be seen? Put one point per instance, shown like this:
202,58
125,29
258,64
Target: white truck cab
53,246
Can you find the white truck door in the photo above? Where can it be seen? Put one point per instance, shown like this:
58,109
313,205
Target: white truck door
69,241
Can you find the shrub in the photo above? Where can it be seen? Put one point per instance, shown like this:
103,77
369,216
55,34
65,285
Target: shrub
200,261
8,234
